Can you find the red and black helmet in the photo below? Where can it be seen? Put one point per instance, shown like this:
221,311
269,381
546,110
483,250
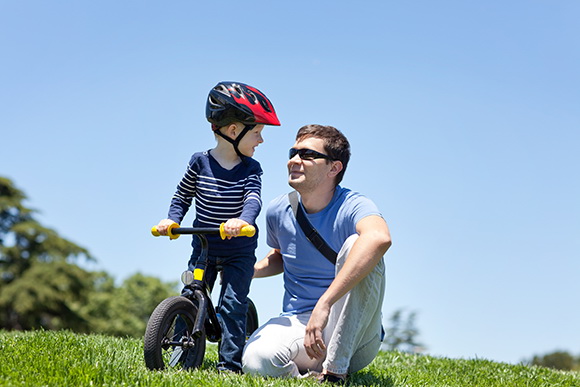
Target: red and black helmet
237,102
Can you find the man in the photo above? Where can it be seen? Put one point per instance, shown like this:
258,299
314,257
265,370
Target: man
331,320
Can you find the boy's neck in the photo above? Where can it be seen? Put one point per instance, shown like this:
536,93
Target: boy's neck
225,155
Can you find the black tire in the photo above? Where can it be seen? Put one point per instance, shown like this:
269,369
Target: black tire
172,321
252,322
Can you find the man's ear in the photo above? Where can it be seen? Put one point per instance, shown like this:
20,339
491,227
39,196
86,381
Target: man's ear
336,168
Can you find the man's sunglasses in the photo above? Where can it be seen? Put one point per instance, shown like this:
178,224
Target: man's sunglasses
308,154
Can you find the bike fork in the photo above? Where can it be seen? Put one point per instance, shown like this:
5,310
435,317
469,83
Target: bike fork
206,317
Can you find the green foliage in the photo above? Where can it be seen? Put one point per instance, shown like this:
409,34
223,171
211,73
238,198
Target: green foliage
124,310
11,209
42,287
401,333
23,241
559,360
66,359
49,295
39,285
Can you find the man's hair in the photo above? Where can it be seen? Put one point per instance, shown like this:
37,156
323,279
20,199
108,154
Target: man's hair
336,145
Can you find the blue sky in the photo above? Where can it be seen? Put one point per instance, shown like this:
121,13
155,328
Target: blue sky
463,118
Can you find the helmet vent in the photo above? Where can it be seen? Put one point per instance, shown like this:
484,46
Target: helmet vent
222,89
237,90
213,102
252,98
265,105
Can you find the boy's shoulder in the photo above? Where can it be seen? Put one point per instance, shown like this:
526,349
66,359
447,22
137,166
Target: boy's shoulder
248,166
252,163
199,156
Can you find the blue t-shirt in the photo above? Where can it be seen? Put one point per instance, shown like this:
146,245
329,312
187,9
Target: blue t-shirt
307,273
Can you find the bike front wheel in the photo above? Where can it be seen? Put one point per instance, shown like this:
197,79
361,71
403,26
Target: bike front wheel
169,341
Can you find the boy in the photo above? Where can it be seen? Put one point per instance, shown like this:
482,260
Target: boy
226,183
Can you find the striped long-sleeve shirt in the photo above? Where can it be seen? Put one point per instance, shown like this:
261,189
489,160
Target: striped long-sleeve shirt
220,194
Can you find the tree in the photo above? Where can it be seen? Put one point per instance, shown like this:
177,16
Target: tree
136,298
124,310
401,334
42,287
39,284
559,360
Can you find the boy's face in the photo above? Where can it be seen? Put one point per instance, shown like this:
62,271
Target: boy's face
251,140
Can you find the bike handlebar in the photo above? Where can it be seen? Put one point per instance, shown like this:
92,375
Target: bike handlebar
174,231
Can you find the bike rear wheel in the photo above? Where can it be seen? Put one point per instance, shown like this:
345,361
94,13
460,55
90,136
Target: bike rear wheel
251,319
168,338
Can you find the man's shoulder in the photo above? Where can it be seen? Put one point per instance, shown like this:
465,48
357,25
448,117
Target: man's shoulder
347,195
280,201
355,203
278,213
278,206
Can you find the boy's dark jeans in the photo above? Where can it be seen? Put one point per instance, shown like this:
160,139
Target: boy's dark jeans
237,272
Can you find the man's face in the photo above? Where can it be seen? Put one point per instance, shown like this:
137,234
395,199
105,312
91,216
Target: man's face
306,175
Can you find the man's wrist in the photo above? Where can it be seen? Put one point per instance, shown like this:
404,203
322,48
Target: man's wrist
323,304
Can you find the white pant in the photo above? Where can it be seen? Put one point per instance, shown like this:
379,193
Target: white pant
352,335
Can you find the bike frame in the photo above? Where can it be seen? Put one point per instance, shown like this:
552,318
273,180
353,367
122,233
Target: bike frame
199,291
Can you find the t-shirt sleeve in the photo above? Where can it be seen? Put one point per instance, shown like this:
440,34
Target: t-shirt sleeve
272,224
184,194
361,208
252,195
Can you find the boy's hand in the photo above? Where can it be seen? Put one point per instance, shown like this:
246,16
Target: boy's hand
164,225
233,226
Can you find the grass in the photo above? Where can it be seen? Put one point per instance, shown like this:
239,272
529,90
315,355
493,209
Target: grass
43,358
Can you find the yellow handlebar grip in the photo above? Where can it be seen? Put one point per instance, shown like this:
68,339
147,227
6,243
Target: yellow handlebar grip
248,231
223,231
171,235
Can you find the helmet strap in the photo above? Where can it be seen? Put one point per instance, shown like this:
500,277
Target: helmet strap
236,142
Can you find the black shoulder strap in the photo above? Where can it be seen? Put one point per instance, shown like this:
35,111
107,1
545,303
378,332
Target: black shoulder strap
310,232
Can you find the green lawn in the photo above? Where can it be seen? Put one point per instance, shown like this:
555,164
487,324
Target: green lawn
67,359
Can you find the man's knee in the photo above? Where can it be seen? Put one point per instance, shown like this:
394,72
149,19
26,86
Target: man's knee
345,250
254,363
259,358
365,354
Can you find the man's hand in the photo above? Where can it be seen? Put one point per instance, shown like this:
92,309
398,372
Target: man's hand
313,342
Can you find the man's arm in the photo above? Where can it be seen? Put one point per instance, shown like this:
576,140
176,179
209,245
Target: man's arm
269,266
373,242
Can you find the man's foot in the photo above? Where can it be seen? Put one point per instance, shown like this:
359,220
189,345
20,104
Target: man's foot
328,377
310,375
